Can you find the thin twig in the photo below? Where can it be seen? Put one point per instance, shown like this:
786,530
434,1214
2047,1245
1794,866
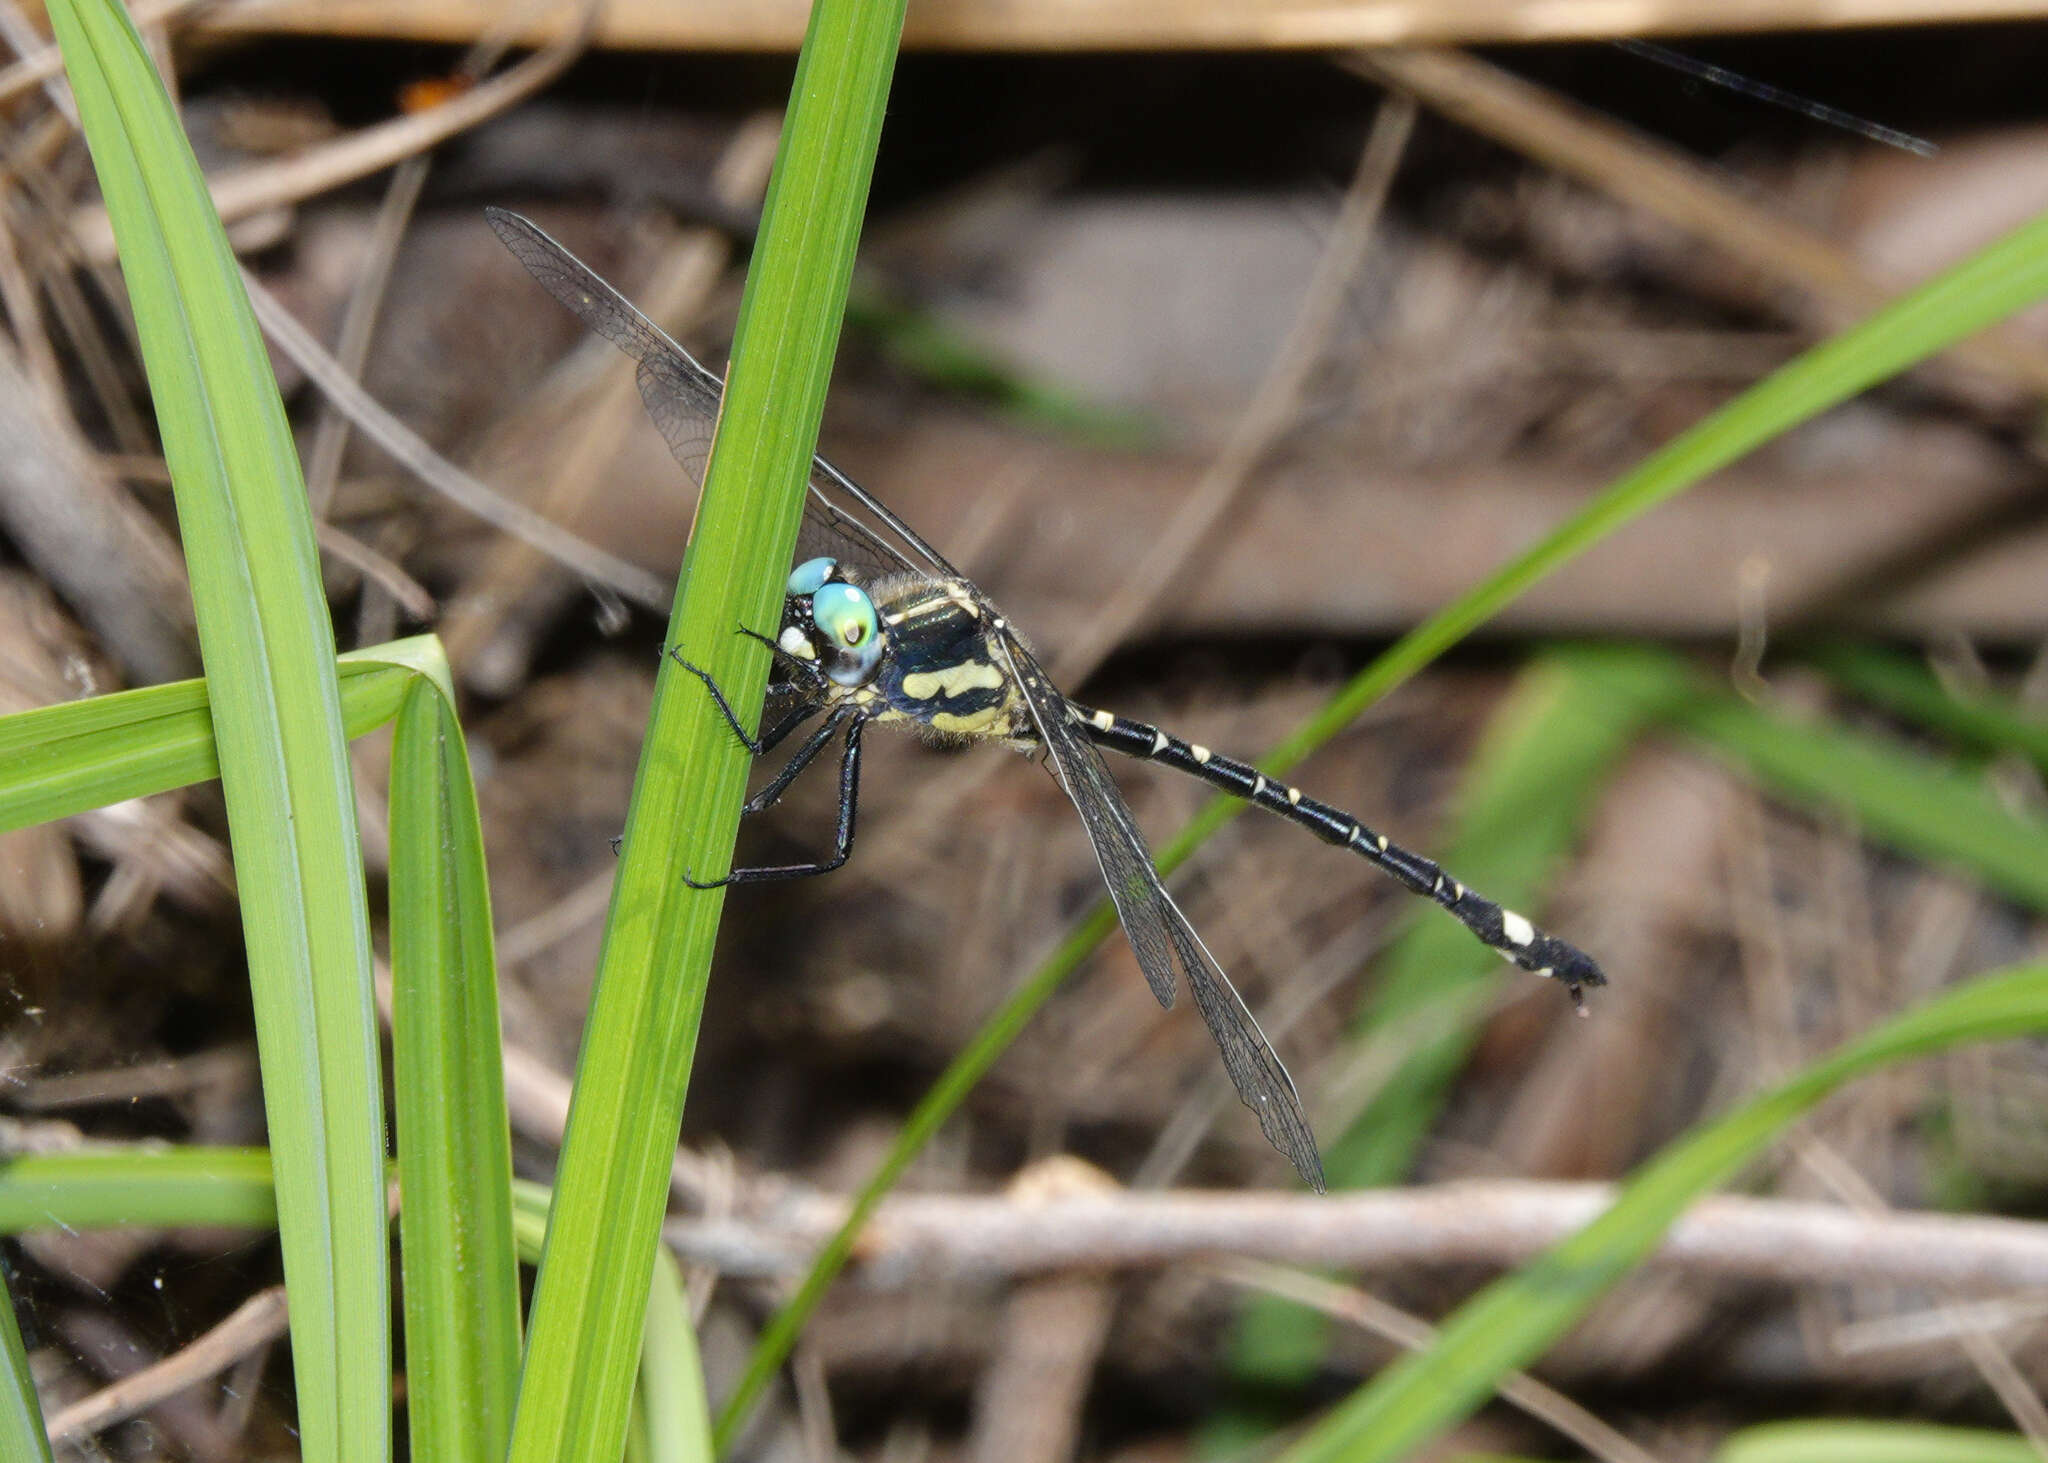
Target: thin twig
45,62
412,453
1684,194
1993,1362
321,169
914,1238
1370,1313
347,549
255,1323
373,275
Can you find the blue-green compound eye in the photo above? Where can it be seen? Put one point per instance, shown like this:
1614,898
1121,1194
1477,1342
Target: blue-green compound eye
806,577
852,633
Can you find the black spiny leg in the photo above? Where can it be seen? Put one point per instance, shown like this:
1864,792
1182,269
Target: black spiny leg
849,789
777,785
1510,935
761,746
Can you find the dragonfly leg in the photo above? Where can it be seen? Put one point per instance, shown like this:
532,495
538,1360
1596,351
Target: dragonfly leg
779,784
805,670
759,746
849,790
772,793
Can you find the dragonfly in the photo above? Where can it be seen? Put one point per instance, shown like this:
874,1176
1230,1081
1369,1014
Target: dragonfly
877,627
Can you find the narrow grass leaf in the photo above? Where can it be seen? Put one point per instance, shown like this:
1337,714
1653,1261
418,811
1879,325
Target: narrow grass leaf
1514,1320
671,1393
79,755
145,1187
1913,802
591,1296
1904,685
1872,1442
268,649
23,1434
459,1270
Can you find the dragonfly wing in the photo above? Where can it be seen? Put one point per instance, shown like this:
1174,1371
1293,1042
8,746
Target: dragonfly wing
1165,943
683,396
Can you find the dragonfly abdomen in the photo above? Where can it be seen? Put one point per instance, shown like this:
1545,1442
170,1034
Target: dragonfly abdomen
1509,934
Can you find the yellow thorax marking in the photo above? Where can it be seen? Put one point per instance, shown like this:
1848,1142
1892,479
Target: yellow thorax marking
954,680
977,721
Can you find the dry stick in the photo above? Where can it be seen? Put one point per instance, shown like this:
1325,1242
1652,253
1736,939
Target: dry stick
1027,1403
25,307
1572,140
914,1238
321,169
112,563
690,270
255,1323
411,595
584,905
434,470
813,1405
1991,1359
45,62
27,163
366,299
22,39
1271,410
1142,25
1903,1330
359,325
1369,1313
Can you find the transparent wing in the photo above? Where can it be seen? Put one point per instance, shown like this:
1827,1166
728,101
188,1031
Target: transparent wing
1159,933
683,397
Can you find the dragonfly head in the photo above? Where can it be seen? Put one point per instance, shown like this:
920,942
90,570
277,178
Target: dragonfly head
830,621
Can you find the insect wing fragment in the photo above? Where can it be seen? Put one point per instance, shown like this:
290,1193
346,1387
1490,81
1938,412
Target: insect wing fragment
1159,933
683,397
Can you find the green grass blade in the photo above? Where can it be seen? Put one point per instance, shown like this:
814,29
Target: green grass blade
1912,802
1905,686
671,1394
117,1188
23,1434
79,755
1511,1322
268,649
590,1300
1872,1442
2005,277
460,1274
